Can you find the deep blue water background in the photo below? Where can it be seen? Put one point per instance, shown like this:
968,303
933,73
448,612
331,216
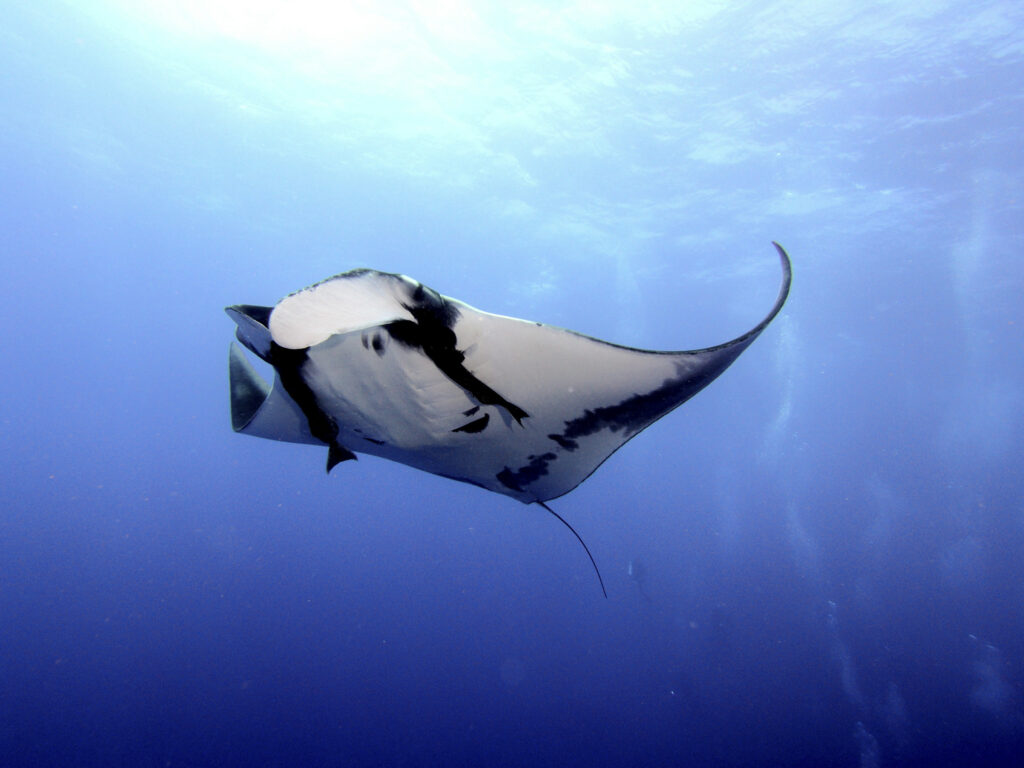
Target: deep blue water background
828,543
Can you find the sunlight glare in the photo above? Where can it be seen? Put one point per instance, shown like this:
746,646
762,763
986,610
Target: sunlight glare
338,26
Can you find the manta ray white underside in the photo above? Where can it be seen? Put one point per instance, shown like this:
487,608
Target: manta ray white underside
372,362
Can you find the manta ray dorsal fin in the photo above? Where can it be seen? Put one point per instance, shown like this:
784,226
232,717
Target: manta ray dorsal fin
352,301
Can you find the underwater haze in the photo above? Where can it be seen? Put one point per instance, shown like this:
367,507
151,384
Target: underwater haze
818,561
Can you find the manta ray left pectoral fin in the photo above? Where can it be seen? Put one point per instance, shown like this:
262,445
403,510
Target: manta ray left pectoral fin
337,454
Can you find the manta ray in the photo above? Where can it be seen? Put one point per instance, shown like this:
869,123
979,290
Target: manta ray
378,363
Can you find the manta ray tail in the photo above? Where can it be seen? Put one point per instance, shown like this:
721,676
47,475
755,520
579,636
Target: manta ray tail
585,548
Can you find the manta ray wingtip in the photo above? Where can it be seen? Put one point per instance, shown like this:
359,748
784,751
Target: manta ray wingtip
787,266
787,281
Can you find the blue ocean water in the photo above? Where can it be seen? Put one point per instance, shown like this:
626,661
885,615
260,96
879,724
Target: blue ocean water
819,561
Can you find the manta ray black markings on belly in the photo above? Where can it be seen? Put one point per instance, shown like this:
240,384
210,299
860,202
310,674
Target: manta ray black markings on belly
378,363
